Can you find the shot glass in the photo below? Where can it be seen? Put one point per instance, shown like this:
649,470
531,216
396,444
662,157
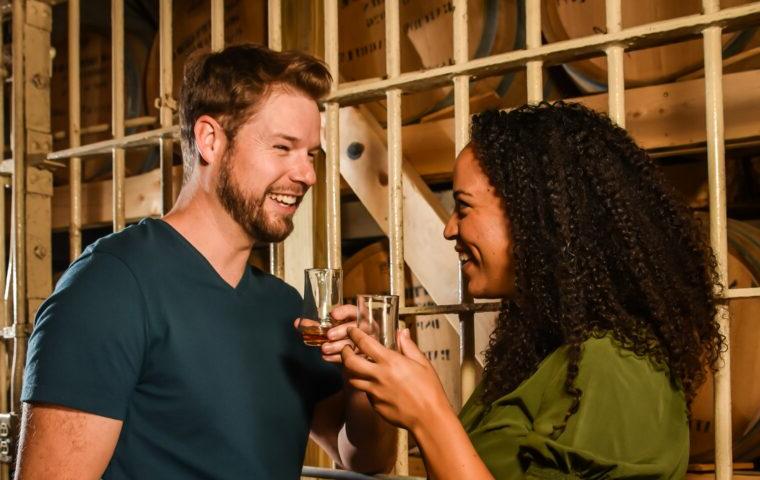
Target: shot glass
323,291
377,315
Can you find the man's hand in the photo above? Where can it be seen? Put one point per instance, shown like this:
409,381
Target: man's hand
337,337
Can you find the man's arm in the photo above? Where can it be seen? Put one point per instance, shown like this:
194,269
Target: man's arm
62,443
347,427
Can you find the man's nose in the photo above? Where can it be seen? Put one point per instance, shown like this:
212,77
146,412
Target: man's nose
304,172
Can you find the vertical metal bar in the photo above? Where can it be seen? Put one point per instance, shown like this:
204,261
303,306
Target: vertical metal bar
217,25
5,471
395,187
718,232
274,11
19,204
4,372
75,140
277,250
468,370
117,110
3,76
332,117
615,75
166,85
534,69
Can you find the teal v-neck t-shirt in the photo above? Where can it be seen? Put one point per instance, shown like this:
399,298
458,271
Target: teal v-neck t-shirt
210,380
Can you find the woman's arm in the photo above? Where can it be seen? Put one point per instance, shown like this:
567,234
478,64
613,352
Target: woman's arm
404,389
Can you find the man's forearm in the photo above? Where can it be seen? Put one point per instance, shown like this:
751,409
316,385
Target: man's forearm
367,443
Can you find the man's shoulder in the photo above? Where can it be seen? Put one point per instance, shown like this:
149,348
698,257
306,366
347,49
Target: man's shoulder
131,244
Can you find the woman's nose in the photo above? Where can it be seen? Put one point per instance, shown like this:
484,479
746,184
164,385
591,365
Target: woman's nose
450,230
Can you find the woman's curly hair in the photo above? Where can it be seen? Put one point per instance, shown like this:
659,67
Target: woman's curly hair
601,246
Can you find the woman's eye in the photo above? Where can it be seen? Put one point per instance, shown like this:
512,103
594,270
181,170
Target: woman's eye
284,148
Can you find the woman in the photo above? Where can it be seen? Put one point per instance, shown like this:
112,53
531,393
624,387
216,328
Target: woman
607,325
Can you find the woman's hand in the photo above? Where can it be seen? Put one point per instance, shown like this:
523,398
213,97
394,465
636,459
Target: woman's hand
402,386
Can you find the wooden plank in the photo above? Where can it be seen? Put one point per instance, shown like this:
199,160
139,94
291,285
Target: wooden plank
660,118
142,198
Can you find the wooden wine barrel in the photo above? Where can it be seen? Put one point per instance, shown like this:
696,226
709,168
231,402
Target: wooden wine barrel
495,26
367,272
95,70
562,20
743,272
244,22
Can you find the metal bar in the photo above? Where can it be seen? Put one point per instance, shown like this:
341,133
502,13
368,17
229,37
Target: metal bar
718,232
742,293
615,66
3,76
274,11
4,317
5,374
117,110
19,205
468,362
276,250
106,127
553,53
395,188
454,308
75,163
150,137
316,472
166,85
332,138
331,43
217,25
534,68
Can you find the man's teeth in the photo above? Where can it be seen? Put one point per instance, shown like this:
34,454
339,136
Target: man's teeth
284,199
463,257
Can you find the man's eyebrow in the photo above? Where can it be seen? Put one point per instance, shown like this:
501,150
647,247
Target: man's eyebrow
287,137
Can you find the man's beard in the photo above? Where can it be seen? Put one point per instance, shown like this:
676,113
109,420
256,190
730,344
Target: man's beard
249,212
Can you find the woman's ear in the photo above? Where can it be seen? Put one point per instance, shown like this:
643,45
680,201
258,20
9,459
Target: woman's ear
210,140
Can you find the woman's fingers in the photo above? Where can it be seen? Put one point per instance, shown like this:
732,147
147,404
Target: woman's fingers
355,365
410,349
368,345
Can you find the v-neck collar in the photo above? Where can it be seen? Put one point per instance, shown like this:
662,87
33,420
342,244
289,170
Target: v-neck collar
202,258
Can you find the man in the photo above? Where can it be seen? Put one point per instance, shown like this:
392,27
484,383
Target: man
161,353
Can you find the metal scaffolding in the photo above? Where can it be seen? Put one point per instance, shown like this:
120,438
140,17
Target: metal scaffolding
711,23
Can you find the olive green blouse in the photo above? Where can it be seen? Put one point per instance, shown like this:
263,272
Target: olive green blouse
631,423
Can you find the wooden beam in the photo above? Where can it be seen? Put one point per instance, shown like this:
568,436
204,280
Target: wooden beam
142,197
661,118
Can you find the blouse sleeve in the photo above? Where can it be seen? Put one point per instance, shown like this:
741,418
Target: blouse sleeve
631,422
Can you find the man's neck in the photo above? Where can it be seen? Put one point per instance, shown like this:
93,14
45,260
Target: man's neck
202,220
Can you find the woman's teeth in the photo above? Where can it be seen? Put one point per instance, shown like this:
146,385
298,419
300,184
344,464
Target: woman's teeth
463,257
288,200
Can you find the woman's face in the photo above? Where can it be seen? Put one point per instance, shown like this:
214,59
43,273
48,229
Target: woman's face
480,227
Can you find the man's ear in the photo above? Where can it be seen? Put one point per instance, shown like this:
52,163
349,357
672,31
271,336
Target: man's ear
209,139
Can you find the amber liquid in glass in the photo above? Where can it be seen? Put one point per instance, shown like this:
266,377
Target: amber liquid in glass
314,336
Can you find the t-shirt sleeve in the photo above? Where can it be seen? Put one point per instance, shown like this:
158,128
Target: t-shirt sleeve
631,422
89,340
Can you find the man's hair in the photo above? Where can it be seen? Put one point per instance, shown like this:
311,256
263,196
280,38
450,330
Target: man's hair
602,246
230,85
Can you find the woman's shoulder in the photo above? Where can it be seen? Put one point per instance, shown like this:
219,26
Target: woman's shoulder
603,352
